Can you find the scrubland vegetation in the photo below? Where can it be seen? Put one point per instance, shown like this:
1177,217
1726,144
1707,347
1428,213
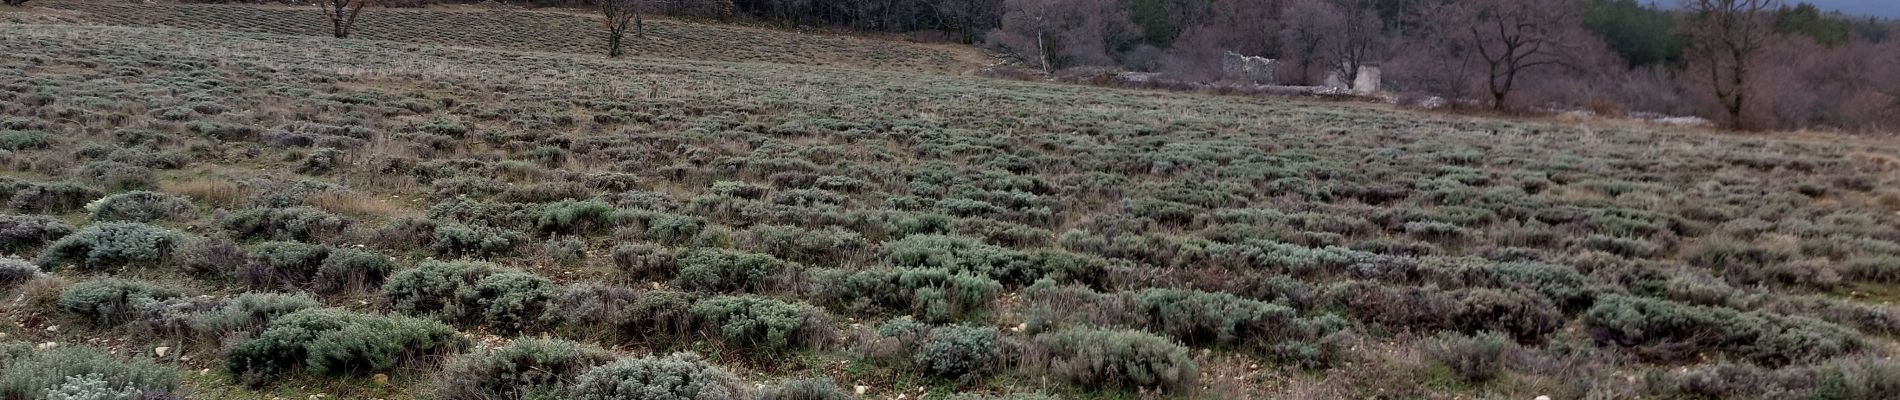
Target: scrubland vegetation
246,215
573,31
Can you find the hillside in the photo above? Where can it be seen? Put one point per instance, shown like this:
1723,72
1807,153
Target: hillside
292,215
570,31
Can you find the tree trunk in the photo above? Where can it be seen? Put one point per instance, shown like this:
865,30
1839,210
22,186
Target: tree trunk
1498,93
339,21
613,43
1044,51
1510,82
1739,87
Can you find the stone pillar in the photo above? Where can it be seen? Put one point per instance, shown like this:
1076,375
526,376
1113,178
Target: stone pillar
1368,79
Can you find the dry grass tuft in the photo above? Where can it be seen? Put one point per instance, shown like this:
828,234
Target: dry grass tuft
358,205
41,293
1883,161
215,193
1889,199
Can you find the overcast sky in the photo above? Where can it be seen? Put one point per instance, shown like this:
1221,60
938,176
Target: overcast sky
1879,8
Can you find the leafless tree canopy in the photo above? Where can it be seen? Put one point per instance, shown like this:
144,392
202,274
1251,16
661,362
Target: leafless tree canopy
1330,35
342,15
1512,37
619,16
1725,36
1062,33
1358,37
1312,25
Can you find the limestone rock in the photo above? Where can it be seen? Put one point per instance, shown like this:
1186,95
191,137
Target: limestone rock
1248,69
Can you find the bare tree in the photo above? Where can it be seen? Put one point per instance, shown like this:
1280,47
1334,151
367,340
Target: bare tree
1513,37
1338,35
620,15
1724,38
1034,21
1357,37
1891,87
1063,33
342,15
1310,27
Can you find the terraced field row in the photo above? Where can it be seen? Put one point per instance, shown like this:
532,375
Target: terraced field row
290,215
545,31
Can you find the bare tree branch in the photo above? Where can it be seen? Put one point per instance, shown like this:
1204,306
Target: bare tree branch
1513,37
618,16
1724,38
342,15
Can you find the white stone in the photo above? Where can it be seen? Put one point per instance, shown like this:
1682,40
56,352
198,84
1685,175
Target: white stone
1688,122
1249,69
161,351
1367,80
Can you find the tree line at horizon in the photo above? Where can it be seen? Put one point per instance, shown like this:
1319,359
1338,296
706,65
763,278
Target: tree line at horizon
1747,64
1751,64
